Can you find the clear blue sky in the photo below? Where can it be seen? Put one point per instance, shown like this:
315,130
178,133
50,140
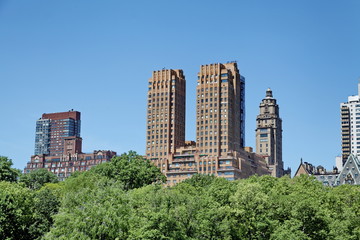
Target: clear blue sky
97,56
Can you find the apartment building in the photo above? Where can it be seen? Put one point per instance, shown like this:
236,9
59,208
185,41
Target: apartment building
220,125
269,134
350,126
58,146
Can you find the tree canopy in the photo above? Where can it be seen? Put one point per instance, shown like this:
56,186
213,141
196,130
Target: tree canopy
123,199
131,169
206,207
37,178
7,173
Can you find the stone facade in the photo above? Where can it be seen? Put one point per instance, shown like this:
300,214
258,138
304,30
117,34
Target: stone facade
63,166
350,174
220,126
269,134
165,113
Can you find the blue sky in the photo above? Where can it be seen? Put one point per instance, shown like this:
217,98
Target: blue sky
97,56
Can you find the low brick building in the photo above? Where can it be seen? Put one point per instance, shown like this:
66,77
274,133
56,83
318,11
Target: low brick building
187,161
70,161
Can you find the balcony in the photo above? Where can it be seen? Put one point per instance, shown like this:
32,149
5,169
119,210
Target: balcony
228,168
183,158
183,170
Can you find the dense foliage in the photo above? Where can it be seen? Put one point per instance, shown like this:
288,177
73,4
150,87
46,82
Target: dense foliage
38,178
124,199
7,173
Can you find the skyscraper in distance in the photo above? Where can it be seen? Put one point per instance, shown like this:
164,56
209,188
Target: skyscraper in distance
53,128
58,146
269,134
165,113
220,109
350,126
220,125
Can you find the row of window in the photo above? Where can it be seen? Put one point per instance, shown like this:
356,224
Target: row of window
157,154
157,100
209,138
213,75
225,173
222,89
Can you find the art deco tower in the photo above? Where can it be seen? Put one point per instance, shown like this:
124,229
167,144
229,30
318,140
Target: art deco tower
220,109
269,134
165,113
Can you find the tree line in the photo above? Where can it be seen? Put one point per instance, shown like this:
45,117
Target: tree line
126,199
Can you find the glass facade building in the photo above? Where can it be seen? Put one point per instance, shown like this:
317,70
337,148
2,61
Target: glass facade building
52,128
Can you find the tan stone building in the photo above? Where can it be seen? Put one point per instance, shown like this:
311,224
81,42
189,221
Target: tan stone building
165,113
220,125
220,109
269,134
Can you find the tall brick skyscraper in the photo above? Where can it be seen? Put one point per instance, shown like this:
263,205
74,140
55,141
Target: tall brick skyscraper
165,113
220,109
58,146
53,128
220,125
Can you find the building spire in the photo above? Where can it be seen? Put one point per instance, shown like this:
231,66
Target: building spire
269,93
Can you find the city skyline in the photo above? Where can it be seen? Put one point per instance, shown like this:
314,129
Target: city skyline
220,127
97,57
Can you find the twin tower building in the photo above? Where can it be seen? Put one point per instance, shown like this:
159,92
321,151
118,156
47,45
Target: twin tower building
220,126
219,148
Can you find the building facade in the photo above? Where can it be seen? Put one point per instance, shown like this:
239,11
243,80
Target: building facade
350,173
165,113
220,126
58,146
269,134
63,166
220,109
52,128
350,126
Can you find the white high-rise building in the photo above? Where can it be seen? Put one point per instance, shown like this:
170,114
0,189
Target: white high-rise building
350,126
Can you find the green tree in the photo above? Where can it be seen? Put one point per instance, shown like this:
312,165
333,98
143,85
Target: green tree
16,215
96,205
7,173
250,208
200,180
131,169
46,204
343,207
185,211
37,178
92,207
297,208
